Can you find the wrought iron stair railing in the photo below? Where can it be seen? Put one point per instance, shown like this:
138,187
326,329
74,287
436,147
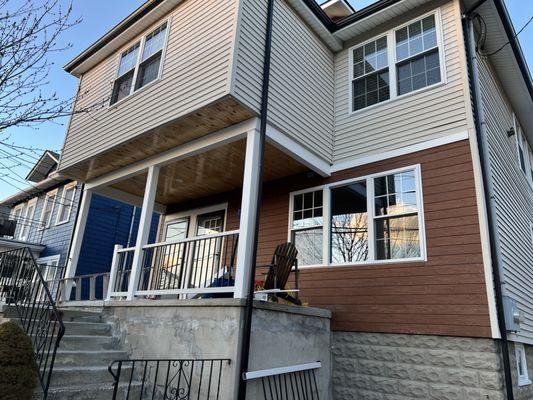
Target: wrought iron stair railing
163,379
296,382
22,285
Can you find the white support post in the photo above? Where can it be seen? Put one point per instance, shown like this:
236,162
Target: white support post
77,240
144,228
113,272
250,190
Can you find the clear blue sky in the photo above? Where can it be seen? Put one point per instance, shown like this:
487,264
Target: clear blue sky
101,15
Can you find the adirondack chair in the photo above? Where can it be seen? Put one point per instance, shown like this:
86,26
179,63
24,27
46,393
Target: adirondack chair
285,257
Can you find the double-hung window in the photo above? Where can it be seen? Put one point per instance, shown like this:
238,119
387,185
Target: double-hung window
140,64
307,226
525,154
66,204
18,215
48,210
398,62
371,74
26,219
370,219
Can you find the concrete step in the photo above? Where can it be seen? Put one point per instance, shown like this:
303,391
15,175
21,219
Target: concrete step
87,342
97,391
84,328
75,376
80,316
78,358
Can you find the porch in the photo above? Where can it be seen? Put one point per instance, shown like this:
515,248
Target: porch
202,248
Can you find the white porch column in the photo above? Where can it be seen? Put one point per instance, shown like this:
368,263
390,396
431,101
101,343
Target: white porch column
144,228
77,239
250,189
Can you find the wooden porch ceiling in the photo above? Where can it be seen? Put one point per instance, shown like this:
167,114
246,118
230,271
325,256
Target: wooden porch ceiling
216,171
206,120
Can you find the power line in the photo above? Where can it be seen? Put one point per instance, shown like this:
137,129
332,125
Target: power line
509,41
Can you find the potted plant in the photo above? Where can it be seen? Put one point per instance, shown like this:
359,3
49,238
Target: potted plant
259,286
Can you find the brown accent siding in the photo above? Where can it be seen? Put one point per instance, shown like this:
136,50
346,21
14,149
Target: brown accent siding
444,296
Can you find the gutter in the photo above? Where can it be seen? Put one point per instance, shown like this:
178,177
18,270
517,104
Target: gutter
488,188
249,308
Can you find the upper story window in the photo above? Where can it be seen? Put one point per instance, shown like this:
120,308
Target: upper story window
23,214
525,154
140,64
66,203
47,210
398,62
364,220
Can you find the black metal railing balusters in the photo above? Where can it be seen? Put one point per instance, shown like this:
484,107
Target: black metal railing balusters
186,379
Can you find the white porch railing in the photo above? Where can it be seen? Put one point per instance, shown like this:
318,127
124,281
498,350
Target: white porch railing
198,266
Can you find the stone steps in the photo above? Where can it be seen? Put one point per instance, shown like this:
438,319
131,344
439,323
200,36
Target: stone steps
76,376
83,328
73,358
96,391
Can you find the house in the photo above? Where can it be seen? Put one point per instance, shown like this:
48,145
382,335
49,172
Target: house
45,215
397,158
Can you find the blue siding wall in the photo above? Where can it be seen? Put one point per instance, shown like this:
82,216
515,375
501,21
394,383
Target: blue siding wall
108,224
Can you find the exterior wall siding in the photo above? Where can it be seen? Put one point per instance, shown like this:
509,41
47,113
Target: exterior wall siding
301,102
196,72
405,367
513,199
444,296
407,120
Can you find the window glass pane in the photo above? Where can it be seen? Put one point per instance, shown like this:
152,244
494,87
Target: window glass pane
416,38
309,245
122,87
308,210
177,230
48,208
128,59
148,72
349,223
419,72
395,194
371,89
154,42
397,238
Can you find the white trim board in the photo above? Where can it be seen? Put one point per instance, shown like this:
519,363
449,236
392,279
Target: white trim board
356,162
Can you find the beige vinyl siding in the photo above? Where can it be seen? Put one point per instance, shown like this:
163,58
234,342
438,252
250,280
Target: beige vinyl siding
301,102
407,120
196,72
513,198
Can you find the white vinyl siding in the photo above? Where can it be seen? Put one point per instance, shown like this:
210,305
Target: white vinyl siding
196,73
513,198
416,117
301,102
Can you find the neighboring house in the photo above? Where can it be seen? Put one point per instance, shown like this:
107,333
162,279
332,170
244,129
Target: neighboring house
398,159
46,213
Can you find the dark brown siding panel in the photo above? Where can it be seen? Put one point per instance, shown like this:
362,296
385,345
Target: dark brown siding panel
444,296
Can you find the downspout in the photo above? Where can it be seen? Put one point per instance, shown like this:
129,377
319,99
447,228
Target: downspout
248,312
488,188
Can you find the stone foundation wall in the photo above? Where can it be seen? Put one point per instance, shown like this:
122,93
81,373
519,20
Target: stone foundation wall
370,366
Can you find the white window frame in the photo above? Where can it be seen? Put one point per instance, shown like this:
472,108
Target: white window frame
24,233
192,215
391,57
326,212
17,218
46,224
72,185
520,355
527,152
141,43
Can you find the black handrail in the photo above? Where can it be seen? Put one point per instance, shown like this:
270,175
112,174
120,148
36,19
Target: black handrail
154,379
22,284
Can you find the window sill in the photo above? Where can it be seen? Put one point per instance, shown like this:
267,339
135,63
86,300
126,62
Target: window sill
366,263
394,99
121,101
523,382
61,222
